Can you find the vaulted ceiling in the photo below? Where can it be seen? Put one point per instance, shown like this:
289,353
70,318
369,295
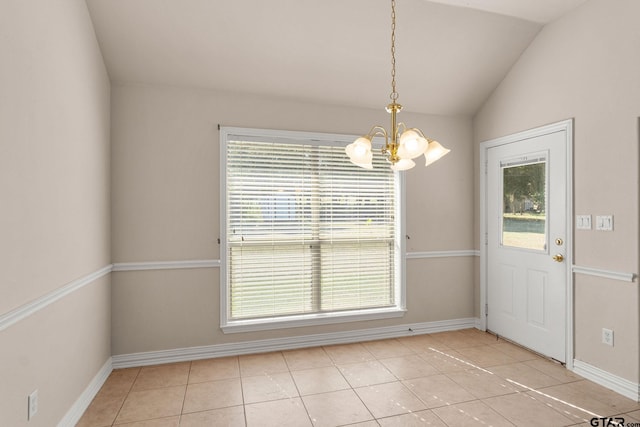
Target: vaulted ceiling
451,54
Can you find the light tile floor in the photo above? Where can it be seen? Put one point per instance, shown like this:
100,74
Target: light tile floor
460,378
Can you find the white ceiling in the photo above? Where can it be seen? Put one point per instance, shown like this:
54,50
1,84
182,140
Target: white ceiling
541,11
450,53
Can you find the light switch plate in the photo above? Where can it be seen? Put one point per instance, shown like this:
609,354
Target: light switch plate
583,222
604,222
32,405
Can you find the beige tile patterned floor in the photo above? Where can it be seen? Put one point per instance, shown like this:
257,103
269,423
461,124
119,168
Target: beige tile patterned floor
460,378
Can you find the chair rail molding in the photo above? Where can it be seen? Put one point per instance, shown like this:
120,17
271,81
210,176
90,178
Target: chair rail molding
607,274
443,254
166,265
31,307
17,314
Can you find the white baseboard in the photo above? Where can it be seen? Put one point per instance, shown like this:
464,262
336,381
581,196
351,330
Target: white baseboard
478,324
606,379
74,414
290,343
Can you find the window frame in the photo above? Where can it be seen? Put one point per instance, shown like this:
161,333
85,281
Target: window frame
299,320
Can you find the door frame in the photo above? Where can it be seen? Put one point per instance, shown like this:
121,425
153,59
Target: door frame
567,127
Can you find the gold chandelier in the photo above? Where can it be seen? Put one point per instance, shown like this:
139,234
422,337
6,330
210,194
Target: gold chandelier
402,144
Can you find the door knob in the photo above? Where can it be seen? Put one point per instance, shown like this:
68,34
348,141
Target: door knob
558,258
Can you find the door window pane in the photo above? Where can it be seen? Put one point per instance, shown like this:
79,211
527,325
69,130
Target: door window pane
524,205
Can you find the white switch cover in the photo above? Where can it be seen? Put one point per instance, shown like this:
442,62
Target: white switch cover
583,222
604,222
32,405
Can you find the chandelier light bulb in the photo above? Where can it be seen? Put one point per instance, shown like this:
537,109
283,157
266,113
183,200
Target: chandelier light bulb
412,145
359,152
434,152
403,165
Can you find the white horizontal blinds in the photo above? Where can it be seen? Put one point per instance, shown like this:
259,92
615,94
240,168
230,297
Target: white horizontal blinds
357,275
270,280
358,227
269,229
307,231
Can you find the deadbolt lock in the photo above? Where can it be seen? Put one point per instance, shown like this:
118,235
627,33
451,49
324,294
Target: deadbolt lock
559,241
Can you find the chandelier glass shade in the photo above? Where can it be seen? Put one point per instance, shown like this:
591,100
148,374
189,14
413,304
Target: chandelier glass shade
401,144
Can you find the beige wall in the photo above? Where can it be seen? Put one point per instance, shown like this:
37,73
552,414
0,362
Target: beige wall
58,169
54,192
165,180
586,66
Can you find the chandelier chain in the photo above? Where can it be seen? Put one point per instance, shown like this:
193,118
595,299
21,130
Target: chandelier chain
401,144
394,93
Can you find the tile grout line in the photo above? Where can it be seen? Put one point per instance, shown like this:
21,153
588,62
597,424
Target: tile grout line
244,405
397,380
295,384
184,398
351,386
113,423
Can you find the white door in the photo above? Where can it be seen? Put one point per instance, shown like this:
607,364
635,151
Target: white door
526,237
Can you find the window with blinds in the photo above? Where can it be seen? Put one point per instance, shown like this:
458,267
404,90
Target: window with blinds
307,233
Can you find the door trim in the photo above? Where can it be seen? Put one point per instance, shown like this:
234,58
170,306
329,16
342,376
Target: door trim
567,127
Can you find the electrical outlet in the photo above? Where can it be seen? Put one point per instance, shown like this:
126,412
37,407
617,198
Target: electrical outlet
607,336
32,404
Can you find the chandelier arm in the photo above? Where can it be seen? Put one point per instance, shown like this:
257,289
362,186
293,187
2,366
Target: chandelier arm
419,132
404,128
378,131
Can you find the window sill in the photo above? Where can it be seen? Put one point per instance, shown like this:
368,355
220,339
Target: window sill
315,319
